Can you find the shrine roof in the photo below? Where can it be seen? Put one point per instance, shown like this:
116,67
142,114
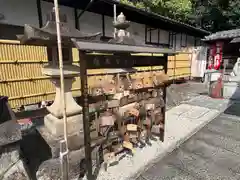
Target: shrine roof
223,35
120,48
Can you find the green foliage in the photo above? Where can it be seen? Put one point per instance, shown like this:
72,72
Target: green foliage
233,13
212,15
216,15
179,9
176,9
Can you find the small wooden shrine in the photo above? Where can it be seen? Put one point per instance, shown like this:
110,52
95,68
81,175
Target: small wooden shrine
224,46
118,113
132,103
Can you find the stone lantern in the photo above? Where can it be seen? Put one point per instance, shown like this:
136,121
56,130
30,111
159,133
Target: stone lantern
122,36
47,36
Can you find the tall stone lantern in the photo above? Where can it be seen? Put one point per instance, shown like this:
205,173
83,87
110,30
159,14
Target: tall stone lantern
122,36
47,36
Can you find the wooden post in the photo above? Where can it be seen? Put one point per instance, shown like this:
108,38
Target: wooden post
86,120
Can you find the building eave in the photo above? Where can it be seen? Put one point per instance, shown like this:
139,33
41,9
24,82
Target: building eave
222,36
159,17
134,14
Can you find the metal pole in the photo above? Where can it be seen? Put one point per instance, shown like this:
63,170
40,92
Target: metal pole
63,155
115,18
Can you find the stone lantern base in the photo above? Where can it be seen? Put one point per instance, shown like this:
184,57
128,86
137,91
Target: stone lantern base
53,129
55,126
54,121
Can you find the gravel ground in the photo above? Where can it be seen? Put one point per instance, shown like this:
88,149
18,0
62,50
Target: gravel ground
213,153
180,93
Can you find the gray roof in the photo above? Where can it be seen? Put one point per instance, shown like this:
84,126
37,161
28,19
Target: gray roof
221,35
123,48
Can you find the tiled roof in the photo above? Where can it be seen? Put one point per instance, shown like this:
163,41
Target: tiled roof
229,34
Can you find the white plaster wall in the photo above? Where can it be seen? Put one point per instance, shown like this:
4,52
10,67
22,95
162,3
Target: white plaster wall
164,37
184,40
148,36
47,8
154,36
190,41
19,12
178,41
90,22
137,31
109,29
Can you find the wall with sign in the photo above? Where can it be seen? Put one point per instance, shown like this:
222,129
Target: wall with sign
47,8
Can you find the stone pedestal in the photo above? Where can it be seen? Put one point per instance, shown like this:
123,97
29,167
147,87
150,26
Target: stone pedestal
54,121
53,130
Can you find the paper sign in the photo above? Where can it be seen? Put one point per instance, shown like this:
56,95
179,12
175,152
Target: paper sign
132,127
25,123
126,93
128,145
118,96
150,106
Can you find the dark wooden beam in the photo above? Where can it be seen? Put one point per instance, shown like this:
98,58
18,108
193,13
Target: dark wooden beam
76,19
146,33
103,25
39,12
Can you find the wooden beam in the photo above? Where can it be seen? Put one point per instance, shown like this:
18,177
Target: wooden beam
103,25
76,19
39,12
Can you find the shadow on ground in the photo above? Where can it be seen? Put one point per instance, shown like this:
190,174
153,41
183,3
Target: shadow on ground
34,151
233,109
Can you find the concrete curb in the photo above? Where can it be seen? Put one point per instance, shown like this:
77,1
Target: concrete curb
177,144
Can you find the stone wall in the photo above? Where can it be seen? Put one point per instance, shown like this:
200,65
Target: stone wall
11,164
